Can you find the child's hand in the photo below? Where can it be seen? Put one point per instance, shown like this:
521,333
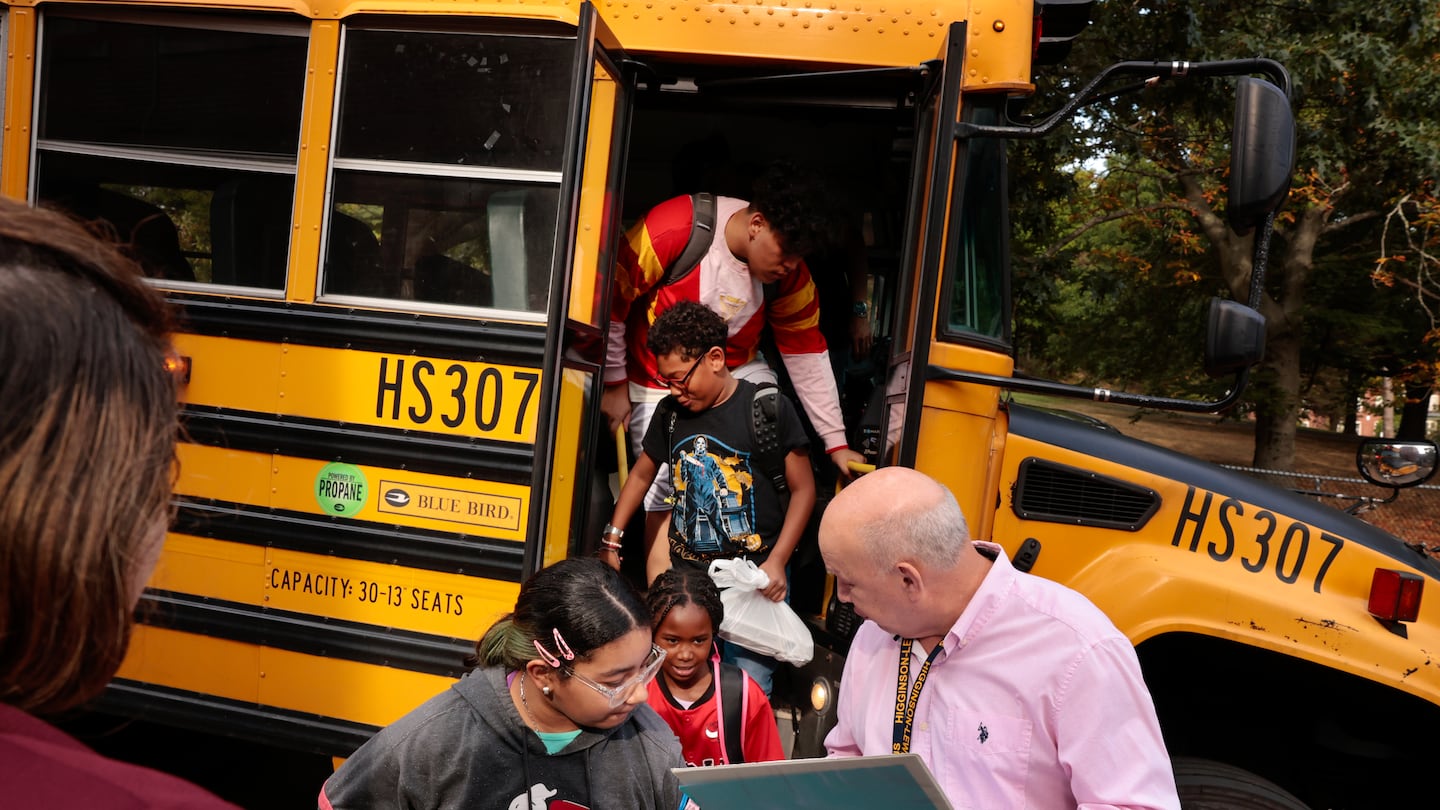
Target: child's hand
610,557
775,591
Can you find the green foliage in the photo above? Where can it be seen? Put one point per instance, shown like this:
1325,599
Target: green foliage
1113,265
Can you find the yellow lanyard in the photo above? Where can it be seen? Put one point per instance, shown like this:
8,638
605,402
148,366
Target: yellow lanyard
905,698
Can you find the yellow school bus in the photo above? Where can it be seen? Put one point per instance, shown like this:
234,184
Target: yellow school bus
388,226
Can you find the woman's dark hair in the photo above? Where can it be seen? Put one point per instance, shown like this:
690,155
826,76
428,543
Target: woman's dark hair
689,327
88,422
682,586
793,206
587,601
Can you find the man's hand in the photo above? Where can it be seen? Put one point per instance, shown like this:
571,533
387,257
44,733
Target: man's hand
615,404
860,336
775,591
842,458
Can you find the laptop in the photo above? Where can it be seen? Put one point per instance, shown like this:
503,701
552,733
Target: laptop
891,781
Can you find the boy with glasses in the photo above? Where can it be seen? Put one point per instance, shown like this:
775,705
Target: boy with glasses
723,505
754,276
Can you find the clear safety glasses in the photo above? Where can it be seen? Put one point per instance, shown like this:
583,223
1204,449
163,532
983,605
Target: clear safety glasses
617,695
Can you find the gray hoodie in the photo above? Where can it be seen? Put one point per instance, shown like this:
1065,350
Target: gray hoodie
468,748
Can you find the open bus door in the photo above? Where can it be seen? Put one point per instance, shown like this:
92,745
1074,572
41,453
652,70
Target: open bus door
393,329
955,223
955,297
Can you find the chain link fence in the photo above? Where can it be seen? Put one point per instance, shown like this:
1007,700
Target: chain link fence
1414,516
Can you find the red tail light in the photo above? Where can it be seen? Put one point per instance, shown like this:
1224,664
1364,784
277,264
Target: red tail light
1395,595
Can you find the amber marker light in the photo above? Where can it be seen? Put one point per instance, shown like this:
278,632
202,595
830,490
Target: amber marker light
179,367
1395,595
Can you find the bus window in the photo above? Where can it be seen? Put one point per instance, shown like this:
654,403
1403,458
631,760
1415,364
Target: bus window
180,134
976,275
446,178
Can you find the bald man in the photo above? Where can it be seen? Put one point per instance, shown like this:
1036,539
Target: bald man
1016,691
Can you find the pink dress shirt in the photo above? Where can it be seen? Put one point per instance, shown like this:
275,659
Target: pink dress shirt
1036,701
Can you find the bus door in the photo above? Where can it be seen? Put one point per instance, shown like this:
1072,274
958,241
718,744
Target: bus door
954,288
386,237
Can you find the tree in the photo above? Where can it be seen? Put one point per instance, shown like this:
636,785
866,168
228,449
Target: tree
1367,138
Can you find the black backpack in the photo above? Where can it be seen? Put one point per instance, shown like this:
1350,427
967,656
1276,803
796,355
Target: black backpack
729,690
702,233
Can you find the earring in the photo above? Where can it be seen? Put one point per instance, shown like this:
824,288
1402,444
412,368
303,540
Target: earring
545,690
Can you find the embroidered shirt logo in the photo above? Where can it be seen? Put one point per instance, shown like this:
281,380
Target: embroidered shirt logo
984,734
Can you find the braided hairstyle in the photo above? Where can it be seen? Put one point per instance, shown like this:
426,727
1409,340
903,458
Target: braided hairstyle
682,586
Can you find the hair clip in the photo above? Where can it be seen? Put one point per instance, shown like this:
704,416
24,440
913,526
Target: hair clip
545,654
563,647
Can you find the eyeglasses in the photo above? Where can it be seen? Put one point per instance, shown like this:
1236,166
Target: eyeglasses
684,382
617,695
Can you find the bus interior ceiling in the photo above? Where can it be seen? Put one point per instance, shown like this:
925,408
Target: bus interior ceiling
713,132
698,129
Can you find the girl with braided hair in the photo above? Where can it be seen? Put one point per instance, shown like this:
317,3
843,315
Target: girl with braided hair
720,714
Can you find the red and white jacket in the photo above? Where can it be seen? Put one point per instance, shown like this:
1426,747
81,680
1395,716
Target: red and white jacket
724,284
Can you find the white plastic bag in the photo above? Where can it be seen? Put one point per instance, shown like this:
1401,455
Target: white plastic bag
752,620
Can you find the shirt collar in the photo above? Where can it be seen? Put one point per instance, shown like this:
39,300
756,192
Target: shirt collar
982,606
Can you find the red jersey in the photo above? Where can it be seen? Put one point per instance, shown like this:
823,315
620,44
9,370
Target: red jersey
702,738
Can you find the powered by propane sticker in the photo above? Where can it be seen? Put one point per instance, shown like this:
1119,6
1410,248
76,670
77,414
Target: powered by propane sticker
340,489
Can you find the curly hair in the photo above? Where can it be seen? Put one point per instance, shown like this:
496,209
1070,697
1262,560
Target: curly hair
688,327
793,206
678,587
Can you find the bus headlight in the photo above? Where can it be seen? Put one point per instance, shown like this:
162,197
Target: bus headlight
822,695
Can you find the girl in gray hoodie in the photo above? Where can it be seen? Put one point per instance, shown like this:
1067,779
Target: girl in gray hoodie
553,718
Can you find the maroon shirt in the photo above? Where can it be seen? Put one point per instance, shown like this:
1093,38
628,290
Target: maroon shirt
42,766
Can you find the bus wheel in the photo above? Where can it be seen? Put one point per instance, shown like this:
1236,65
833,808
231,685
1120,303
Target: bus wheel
1205,784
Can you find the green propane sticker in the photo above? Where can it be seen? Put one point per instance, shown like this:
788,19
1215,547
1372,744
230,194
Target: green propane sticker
340,489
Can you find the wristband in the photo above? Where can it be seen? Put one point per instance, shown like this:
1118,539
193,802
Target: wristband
609,530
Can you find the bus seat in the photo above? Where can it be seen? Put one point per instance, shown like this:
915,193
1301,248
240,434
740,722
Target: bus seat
146,232
353,263
442,279
250,232
511,237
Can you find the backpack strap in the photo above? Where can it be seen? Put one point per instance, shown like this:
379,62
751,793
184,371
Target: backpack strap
732,696
702,234
769,456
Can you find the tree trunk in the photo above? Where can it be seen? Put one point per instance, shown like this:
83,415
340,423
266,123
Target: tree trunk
1277,408
1414,415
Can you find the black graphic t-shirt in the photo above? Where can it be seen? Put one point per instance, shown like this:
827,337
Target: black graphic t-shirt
724,506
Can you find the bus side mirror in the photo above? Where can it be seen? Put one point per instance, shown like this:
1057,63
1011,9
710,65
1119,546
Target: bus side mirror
1234,337
1395,463
1262,153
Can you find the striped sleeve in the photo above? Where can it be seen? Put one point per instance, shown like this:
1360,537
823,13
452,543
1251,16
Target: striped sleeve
648,246
794,314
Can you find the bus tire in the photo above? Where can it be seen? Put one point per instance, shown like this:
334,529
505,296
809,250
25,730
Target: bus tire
1204,784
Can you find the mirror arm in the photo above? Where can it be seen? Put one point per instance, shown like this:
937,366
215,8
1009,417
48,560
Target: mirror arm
1259,260
1366,503
1058,389
1156,71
